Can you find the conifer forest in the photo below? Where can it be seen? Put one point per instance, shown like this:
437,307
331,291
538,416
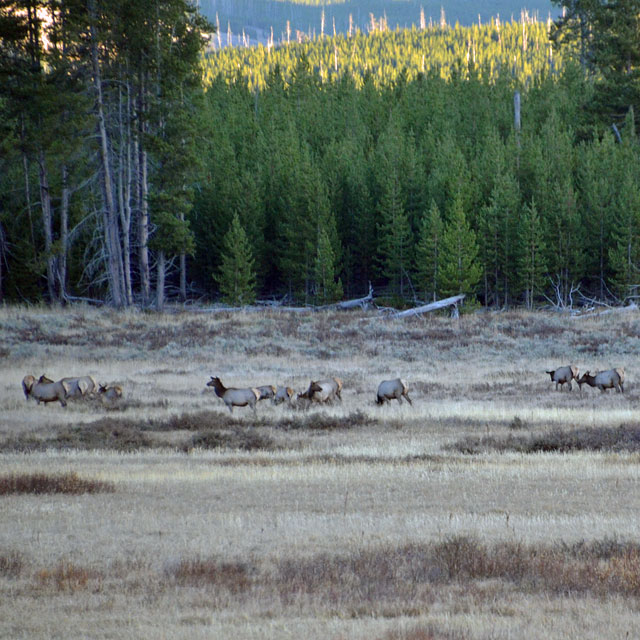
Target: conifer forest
142,161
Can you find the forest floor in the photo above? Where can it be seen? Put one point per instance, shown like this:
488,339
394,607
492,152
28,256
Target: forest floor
493,507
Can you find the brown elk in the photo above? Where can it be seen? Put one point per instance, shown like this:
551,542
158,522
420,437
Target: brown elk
389,389
610,379
234,397
564,375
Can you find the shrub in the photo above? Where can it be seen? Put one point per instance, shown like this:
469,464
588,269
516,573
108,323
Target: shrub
40,483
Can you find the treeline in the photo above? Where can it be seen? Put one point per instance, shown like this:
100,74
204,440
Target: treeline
313,18
521,49
424,188
122,180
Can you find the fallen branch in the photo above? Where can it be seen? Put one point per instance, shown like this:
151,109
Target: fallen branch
433,306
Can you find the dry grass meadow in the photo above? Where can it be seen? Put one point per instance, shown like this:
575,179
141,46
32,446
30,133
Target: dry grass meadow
494,507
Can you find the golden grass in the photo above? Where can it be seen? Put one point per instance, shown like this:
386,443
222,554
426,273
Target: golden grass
348,521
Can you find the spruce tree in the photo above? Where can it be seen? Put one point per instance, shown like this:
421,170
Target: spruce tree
394,236
236,276
428,250
460,271
530,262
327,289
624,255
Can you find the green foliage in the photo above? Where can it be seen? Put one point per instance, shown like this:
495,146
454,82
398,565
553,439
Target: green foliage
428,250
459,271
531,266
236,276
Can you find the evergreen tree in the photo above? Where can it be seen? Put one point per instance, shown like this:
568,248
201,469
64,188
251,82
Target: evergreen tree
460,271
327,289
625,253
394,236
530,263
236,276
428,249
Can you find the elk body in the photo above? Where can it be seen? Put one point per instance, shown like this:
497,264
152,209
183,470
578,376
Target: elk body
564,375
234,397
323,391
390,389
267,392
610,379
80,387
283,394
44,390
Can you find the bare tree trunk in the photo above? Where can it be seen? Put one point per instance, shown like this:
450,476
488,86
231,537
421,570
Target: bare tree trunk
143,205
27,193
183,277
47,223
3,252
112,241
64,236
160,281
124,191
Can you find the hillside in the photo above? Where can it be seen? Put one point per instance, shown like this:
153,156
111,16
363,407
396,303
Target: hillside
256,18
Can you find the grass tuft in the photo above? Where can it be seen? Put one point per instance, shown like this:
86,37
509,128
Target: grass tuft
42,483
235,577
11,564
626,437
67,577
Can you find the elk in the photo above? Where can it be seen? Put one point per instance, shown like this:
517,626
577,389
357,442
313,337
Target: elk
234,397
389,389
44,389
109,393
323,390
610,379
283,394
564,375
80,387
267,391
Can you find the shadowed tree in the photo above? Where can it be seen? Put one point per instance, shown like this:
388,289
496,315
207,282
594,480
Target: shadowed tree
236,276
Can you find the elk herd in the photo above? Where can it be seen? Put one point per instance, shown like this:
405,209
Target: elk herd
46,390
324,391
603,380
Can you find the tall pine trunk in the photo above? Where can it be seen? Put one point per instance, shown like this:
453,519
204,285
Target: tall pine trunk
64,235
160,277
143,205
124,190
47,225
110,220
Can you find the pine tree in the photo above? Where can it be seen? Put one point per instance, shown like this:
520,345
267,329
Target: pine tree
327,289
530,263
236,276
394,236
428,250
625,254
459,271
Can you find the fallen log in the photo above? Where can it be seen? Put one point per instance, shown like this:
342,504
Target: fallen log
433,306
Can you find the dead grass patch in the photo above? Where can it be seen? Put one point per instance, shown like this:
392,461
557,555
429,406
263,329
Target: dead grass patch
12,564
67,577
626,437
235,577
42,483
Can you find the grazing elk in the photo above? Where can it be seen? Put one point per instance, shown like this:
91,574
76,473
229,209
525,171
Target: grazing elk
267,392
80,387
234,397
389,389
283,394
323,391
44,389
564,375
611,379
109,393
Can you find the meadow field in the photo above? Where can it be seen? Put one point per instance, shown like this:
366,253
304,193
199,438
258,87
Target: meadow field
493,507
